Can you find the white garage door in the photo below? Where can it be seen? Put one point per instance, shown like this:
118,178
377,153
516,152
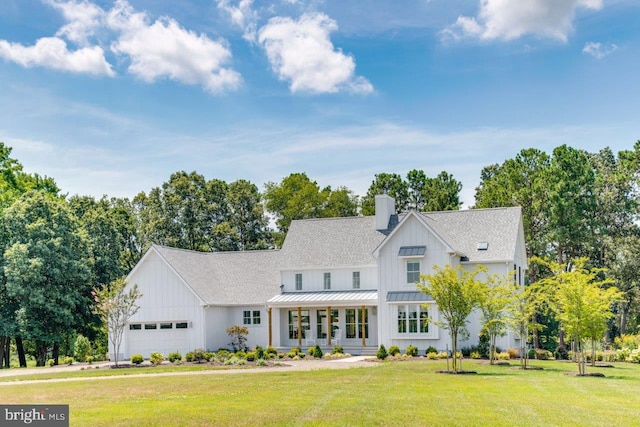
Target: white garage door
163,337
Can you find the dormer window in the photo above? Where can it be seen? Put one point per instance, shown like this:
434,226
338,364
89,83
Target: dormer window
483,246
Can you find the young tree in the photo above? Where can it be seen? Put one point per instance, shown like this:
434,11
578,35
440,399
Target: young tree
497,293
115,305
521,311
581,302
238,336
457,292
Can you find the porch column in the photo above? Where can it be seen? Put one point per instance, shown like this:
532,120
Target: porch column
300,327
364,343
329,326
270,334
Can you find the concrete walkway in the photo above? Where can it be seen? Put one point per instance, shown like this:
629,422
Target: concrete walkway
287,365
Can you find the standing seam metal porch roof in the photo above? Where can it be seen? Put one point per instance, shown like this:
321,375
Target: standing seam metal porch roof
325,297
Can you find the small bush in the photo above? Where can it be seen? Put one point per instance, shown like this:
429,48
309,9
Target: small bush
137,359
531,354
250,356
281,355
89,359
432,355
443,355
542,354
222,355
382,352
261,362
430,349
514,353
411,351
503,356
310,351
156,358
393,350
68,360
475,355
197,355
51,362
337,349
271,350
175,357
317,352
259,352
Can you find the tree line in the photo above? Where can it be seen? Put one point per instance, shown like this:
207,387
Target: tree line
56,248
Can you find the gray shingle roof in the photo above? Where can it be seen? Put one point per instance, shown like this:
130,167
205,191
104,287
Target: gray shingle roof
331,242
463,230
227,278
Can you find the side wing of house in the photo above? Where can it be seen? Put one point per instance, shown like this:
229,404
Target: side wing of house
171,316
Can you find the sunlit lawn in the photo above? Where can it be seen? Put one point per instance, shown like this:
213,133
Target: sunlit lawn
390,393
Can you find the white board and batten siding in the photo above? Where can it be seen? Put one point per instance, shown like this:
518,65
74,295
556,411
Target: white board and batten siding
219,318
341,278
165,300
393,277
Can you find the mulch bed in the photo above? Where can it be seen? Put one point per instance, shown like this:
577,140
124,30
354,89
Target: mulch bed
457,372
592,374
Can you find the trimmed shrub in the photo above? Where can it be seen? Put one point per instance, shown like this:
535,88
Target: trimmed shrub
514,353
271,350
430,349
259,352
561,353
261,362
250,356
68,360
89,359
317,352
442,355
411,351
337,349
51,362
137,359
542,354
175,357
503,356
475,355
393,350
281,355
432,355
531,354
156,358
382,352
197,355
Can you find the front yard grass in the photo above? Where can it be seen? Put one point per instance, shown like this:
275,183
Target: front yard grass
391,393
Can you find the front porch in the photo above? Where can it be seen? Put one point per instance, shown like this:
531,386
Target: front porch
327,319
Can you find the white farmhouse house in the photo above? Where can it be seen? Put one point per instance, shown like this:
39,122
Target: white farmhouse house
336,281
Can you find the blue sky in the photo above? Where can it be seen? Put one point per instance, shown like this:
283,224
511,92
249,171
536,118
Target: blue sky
111,97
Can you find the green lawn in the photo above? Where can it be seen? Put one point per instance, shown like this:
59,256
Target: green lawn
391,393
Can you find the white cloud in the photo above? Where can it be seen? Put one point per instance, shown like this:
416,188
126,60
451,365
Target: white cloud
242,16
52,52
302,53
165,49
83,19
598,50
508,20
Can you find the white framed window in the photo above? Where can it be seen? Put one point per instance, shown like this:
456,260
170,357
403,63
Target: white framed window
298,281
413,271
356,280
327,280
293,323
412,319
135,326
167,325
151,326
250,317
182,325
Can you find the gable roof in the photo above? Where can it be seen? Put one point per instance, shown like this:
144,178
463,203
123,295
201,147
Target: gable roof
463,230
331,243
226,278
